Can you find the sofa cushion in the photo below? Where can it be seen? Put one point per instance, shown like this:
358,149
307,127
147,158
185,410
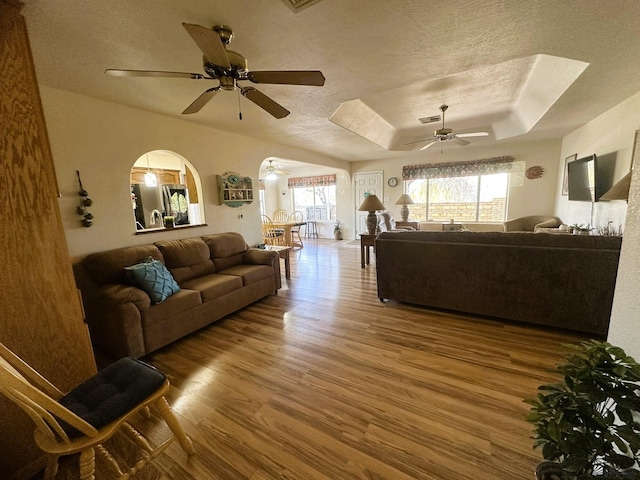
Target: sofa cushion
173,306
214,285
187,258
250,273
225,245
108,267
154,278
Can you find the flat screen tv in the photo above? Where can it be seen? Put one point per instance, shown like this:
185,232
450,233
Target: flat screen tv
583,179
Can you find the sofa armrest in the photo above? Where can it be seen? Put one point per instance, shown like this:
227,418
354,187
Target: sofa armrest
119,294
553,223
257,256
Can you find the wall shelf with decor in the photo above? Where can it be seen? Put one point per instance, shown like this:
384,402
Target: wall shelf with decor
234,189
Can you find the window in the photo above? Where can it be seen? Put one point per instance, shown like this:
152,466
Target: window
315,197
317,203
472,198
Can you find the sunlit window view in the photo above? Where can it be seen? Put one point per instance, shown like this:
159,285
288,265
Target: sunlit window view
316,202
474,198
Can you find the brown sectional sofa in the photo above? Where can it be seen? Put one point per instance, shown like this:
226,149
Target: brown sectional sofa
217,274
564,281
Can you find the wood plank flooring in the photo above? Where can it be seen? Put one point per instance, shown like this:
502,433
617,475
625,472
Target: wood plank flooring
323,381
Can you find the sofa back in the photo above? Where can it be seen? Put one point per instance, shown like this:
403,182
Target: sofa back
565,281
226,249
186,258
108,267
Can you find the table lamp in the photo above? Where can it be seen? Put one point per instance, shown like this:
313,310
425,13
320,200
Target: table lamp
371,204
404,200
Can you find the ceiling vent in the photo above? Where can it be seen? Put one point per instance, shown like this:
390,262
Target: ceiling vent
298,5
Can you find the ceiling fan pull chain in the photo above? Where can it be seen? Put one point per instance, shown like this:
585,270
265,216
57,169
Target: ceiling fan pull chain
239,107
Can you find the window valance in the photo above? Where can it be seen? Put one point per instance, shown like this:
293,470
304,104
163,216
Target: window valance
316,181
458,169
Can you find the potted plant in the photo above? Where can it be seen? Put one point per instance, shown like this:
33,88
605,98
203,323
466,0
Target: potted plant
169,221
589,424
337,231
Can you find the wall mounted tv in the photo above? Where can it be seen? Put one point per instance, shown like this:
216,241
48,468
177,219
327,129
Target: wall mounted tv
583,179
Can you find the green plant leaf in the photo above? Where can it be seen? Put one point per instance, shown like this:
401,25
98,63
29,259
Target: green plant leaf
620,461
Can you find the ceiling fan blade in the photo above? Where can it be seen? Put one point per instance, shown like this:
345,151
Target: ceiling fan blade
460,141
428,145
419,141
288,77
209,42
473,134
201,101
260,99
153,73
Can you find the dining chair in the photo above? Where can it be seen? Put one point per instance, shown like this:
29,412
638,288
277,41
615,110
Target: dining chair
298,217
270,234
280,216
81,420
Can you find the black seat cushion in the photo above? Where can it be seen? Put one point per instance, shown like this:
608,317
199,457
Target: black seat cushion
112,392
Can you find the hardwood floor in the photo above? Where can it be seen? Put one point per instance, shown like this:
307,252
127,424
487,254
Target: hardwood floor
323,381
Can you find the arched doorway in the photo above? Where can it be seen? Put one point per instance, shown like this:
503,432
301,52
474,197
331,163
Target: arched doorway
165,184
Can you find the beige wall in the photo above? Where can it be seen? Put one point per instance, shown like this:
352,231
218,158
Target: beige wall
610,136
526,197
102,140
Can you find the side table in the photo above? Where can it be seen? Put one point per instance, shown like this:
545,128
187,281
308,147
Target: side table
283,252
366,240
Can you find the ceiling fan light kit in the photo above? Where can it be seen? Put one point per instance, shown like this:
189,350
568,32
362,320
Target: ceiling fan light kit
229,68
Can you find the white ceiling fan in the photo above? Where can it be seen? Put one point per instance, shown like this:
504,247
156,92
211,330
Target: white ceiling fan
446,134
272,172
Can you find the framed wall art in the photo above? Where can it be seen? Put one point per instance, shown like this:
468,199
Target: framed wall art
565,178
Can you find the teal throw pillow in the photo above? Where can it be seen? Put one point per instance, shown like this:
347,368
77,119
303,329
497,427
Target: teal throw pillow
154,278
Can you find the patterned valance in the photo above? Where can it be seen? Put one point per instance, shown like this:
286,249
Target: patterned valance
317,181
458,169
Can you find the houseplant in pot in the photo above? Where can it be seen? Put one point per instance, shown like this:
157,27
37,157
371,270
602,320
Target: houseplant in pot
588,425
337,231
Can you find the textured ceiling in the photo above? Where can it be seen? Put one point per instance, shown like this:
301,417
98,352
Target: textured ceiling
518,70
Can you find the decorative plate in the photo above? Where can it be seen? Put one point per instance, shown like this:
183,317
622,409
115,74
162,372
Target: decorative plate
534,172
233,179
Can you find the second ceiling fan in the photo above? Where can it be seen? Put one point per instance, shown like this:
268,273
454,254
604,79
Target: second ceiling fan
229,68
446,134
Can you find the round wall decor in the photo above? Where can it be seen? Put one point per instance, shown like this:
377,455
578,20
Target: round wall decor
534,172
392,182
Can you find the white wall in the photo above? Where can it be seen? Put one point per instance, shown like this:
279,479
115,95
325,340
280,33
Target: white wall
526,197
102,140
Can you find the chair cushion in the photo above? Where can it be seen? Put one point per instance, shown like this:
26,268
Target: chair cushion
112,392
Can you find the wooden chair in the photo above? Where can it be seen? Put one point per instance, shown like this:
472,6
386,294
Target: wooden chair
71,423
280,216
297,216
270,234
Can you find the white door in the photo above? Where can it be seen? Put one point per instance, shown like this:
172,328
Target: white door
371,183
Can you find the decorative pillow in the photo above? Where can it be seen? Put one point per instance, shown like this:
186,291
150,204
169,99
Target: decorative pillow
153,277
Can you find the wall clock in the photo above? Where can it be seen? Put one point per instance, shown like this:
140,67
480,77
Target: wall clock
392,182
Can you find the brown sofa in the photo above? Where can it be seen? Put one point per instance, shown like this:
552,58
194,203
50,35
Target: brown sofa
217,274
564,281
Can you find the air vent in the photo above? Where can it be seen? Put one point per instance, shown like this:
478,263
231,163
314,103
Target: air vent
434,118
298,5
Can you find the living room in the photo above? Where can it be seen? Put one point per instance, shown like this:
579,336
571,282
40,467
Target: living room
101,139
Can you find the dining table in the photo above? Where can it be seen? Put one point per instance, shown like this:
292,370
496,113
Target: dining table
288,235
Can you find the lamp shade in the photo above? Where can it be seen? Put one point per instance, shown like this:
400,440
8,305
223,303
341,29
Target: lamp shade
371,204
405,199
620,191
